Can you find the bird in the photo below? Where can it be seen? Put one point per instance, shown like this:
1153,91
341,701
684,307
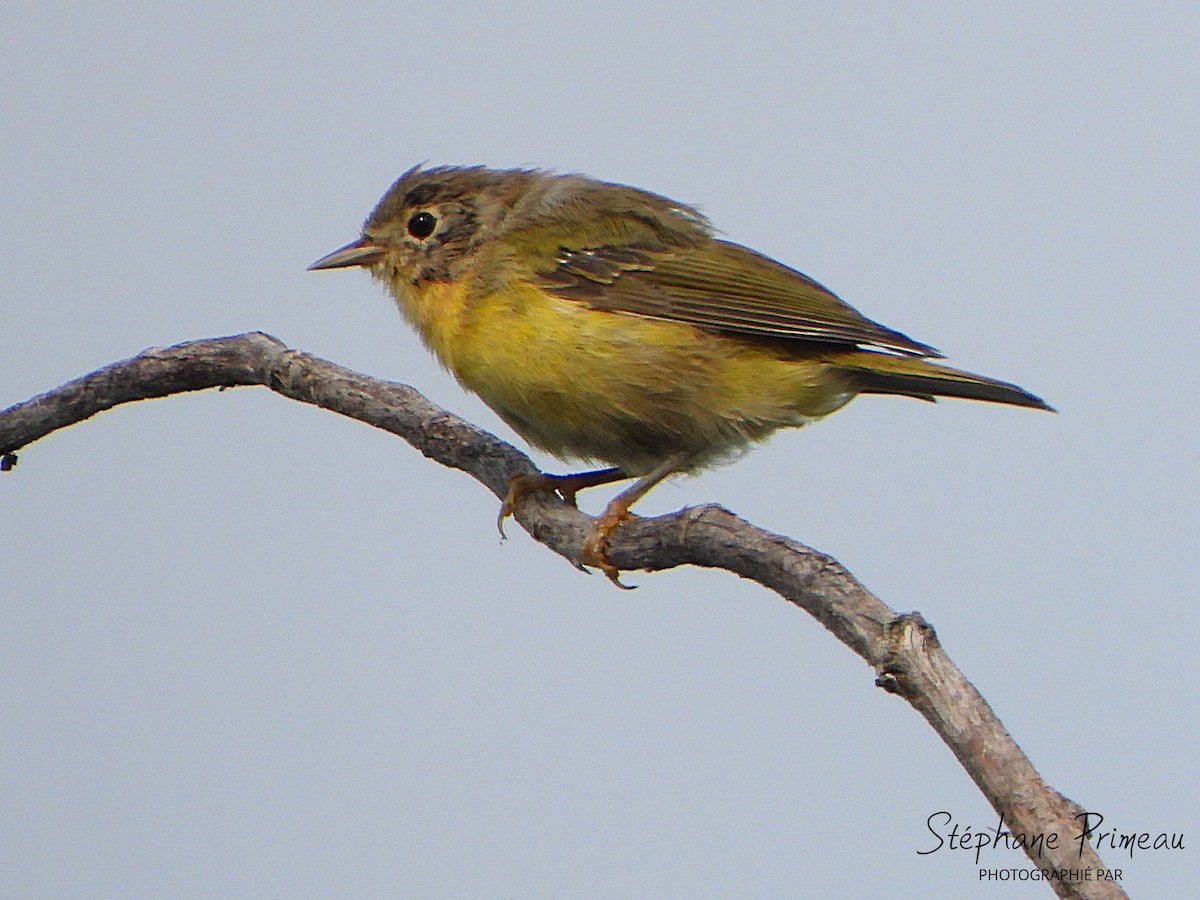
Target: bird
612,325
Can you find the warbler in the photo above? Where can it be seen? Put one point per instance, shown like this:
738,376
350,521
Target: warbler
609,324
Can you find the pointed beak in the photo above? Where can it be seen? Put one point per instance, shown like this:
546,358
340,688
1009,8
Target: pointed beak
362,252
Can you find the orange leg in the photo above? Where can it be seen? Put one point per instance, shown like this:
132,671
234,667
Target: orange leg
595,545
566,486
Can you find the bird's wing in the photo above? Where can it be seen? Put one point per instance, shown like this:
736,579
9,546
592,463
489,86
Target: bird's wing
719,285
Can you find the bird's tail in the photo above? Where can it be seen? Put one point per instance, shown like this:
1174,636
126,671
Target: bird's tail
881,373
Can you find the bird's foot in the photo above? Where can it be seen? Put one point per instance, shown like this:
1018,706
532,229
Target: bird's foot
520,485
595,545
566,486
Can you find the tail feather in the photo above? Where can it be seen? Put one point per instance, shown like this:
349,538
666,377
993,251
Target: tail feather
879,373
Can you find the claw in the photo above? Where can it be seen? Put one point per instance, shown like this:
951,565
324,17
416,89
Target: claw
518,487
595,545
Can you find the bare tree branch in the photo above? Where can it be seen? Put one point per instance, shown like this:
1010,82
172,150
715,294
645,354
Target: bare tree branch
903,649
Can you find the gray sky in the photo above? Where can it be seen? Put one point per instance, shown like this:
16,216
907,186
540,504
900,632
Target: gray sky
251,648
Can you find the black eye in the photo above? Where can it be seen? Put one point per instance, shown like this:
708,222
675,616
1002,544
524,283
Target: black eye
421,224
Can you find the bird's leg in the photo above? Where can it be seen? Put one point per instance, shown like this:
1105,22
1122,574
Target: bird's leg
595,545
566,486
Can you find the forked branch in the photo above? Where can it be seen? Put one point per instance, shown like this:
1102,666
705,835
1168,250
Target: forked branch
903,649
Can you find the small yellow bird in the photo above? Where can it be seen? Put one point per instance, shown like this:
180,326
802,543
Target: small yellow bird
607,324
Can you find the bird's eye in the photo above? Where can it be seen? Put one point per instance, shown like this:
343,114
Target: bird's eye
421,225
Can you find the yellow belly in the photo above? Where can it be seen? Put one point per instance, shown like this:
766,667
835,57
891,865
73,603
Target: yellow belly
616,388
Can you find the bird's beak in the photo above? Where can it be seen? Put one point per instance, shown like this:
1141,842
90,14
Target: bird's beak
362,252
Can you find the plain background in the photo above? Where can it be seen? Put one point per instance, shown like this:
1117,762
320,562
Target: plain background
250,648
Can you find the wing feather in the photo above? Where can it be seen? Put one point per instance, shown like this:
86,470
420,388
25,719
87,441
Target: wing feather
719,285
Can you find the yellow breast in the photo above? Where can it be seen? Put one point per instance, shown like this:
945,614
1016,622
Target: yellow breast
616,388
